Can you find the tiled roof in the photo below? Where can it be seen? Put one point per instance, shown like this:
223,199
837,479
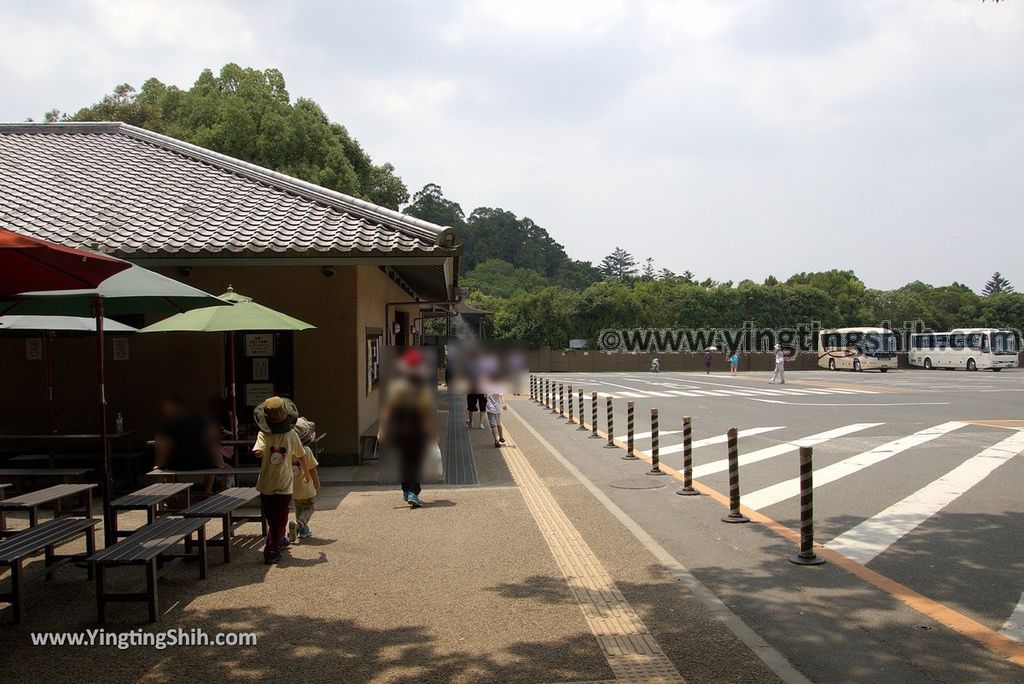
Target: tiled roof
138,193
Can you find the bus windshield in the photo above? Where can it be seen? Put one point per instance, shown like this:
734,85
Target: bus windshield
1004,342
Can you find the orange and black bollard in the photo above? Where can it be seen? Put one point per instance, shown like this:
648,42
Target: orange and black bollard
570,421
806,555
593,416
609,413
561,399
630,456
582,426
687,489
655,459
734,516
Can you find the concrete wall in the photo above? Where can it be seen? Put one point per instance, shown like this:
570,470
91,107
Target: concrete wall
329,362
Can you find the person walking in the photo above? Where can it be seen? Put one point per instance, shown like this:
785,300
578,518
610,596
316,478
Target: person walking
780,370
734,362
279,448
707,362
408,423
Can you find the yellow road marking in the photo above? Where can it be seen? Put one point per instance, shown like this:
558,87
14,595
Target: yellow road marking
627,644
1009,424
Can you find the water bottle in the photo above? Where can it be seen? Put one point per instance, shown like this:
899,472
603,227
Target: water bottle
119,424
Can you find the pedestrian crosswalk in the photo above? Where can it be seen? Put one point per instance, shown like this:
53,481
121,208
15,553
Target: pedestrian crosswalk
698,389
942,463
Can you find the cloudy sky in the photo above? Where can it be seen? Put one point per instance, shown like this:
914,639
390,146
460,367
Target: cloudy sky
734,138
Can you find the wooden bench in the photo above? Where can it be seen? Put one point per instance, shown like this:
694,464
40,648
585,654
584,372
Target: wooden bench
149,546
223,506
147,499
43,538
31,501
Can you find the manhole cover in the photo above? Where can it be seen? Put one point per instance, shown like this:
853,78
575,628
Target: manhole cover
645,482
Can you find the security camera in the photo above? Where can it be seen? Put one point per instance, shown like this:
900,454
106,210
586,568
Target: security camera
185,271
328,271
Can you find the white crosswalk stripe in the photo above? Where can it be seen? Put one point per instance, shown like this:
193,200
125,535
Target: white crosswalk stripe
769,496
710,389
867,540
780,449
709,441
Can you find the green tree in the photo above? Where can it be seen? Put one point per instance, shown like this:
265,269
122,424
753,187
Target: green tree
248,114
618,264
997,284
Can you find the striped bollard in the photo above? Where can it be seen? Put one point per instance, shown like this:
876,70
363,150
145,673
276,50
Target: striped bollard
806,555
611,424
630,456
553,404
561,399
533,388
582,426
655,460
551,395
593,416
734,515
570,421
687,489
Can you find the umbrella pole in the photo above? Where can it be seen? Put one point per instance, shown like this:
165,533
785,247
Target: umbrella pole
105,486
234,399
49,382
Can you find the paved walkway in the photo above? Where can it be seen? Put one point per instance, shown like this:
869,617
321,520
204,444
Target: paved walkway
533,581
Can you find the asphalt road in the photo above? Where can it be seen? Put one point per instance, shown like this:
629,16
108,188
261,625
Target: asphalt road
918,473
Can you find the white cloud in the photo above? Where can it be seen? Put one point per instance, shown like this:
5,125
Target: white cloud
735,139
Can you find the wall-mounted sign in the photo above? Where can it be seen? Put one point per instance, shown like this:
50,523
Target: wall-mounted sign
255,392
120,348
259,344
261,369
34,348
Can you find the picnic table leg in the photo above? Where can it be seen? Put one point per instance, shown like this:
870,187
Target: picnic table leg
101,593
33,516
201,540
90,550
227,537
151,589
47,562
88,503
17,582
113,523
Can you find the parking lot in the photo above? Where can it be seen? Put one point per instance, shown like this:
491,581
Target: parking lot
917,473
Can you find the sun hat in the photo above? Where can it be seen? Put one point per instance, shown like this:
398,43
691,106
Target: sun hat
306,429
276,414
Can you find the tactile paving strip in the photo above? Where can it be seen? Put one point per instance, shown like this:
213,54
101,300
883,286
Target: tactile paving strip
631,650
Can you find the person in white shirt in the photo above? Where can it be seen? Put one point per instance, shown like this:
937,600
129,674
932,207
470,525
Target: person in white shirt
780,370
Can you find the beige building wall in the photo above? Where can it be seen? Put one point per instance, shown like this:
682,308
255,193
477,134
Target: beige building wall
329,362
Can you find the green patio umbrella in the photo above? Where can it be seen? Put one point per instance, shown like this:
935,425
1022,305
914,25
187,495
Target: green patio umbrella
134,290
244,315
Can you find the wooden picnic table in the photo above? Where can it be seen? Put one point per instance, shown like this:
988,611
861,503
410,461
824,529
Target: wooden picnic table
148,499
131,458
33,500
3,514
175,474
66,474
225,506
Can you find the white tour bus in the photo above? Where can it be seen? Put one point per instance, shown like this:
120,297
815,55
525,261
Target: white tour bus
970,348
857,349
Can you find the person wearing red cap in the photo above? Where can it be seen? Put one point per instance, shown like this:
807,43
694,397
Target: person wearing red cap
408,423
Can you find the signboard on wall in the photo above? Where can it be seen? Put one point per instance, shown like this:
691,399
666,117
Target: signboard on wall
259,344
261,369
255,392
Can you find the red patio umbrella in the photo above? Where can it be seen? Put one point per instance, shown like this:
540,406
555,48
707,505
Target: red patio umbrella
28,264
